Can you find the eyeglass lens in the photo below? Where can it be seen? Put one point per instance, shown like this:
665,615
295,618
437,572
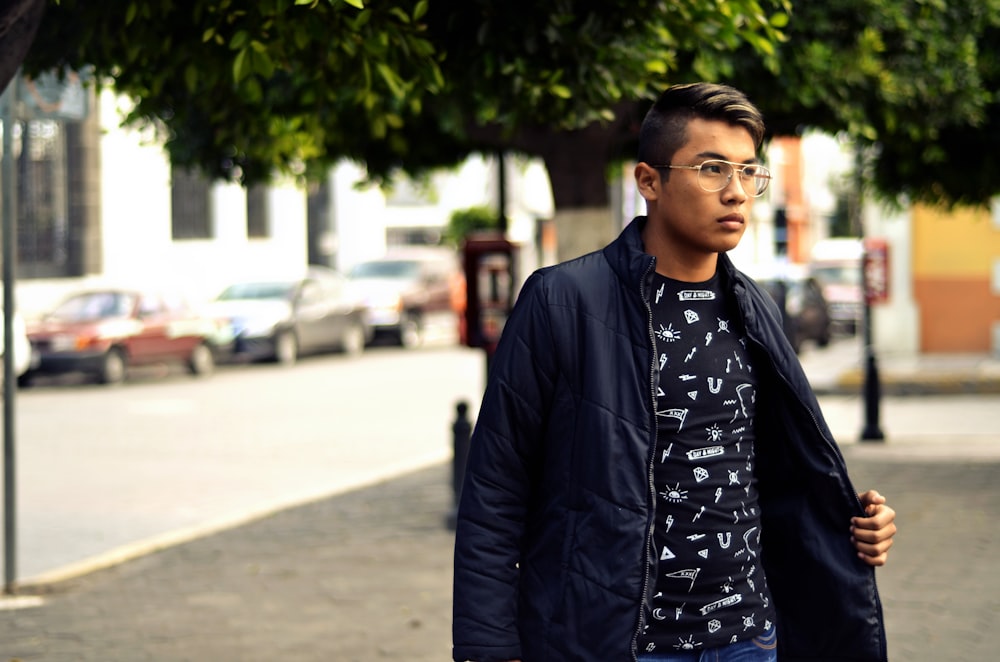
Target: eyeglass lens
716,175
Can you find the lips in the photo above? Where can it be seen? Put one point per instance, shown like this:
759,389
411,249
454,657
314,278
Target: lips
732,221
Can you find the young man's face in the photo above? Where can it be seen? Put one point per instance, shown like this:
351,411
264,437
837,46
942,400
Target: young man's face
695,221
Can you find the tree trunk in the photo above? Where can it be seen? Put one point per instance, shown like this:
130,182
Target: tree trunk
19,21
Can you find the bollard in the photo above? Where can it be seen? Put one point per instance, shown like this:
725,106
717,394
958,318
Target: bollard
461,432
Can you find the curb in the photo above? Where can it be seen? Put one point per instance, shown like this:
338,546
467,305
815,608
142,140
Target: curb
851,382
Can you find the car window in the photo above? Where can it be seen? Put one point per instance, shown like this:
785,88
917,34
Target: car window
311,292
150,305
276,290
94,306
386,269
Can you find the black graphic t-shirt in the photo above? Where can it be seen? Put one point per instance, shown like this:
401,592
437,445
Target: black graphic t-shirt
710,588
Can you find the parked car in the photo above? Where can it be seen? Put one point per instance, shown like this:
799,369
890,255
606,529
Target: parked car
806,314
405,288
103,332
836,265
22,354
282,319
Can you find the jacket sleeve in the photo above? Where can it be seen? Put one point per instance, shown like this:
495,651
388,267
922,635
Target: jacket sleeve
495,495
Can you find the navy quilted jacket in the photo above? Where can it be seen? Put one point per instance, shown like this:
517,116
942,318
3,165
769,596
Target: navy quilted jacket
552,557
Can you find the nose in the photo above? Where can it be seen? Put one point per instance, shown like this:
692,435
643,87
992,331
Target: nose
735,190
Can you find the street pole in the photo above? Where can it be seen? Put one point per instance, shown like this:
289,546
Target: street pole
872,389
9,209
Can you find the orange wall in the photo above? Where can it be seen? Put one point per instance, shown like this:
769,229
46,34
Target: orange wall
953,257
956,314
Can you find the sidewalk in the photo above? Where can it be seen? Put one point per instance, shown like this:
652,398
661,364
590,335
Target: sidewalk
366,575
839,369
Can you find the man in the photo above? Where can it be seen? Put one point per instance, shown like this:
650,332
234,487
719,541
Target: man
651,476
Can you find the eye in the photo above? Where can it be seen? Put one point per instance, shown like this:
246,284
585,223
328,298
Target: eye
713,167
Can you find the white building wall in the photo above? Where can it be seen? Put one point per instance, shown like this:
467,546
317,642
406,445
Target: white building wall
136,243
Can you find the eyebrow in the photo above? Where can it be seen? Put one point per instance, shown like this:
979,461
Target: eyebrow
721,157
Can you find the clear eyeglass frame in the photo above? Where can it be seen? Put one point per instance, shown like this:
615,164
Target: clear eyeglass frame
715,175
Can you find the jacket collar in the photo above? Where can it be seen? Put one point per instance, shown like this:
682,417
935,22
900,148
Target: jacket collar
633,264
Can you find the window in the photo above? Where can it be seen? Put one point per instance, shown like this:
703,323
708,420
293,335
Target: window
190,205
258,218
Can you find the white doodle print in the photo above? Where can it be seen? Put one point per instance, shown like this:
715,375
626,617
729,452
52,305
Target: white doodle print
668,334
702,342
746,541
674,494
691,574
679,414
745,398
688,644
728,601
659,292
748,622
696,295
702,453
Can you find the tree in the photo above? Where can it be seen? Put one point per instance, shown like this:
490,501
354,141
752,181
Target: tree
914,81
243,89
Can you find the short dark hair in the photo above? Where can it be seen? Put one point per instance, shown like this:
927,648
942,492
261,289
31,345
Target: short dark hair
664,129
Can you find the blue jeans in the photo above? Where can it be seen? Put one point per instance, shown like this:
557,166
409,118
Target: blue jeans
759,649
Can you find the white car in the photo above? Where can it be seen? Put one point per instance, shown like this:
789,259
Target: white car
22,346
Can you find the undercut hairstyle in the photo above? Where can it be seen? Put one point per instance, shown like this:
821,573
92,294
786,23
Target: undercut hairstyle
664,129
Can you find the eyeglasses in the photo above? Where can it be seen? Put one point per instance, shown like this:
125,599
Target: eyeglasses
715,175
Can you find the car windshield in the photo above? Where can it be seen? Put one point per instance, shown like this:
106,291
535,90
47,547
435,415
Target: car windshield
258,291
386,269
94,306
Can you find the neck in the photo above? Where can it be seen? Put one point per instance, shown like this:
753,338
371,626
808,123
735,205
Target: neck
685,266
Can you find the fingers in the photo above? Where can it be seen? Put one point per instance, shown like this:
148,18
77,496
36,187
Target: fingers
872,536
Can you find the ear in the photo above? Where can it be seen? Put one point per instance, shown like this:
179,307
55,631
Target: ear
647,181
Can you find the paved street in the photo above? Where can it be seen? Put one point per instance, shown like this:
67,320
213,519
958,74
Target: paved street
366,574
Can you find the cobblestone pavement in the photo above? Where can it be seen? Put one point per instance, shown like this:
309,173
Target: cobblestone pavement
367,576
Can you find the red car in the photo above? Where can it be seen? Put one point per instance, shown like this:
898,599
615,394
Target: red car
102,332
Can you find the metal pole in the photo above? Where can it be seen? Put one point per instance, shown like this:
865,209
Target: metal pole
872,390
9,191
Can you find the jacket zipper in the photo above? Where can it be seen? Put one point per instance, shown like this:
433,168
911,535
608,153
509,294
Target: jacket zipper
652,454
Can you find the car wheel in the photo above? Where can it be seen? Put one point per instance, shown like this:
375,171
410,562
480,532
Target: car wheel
353,342
286,348
202,361
410,333
113,367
